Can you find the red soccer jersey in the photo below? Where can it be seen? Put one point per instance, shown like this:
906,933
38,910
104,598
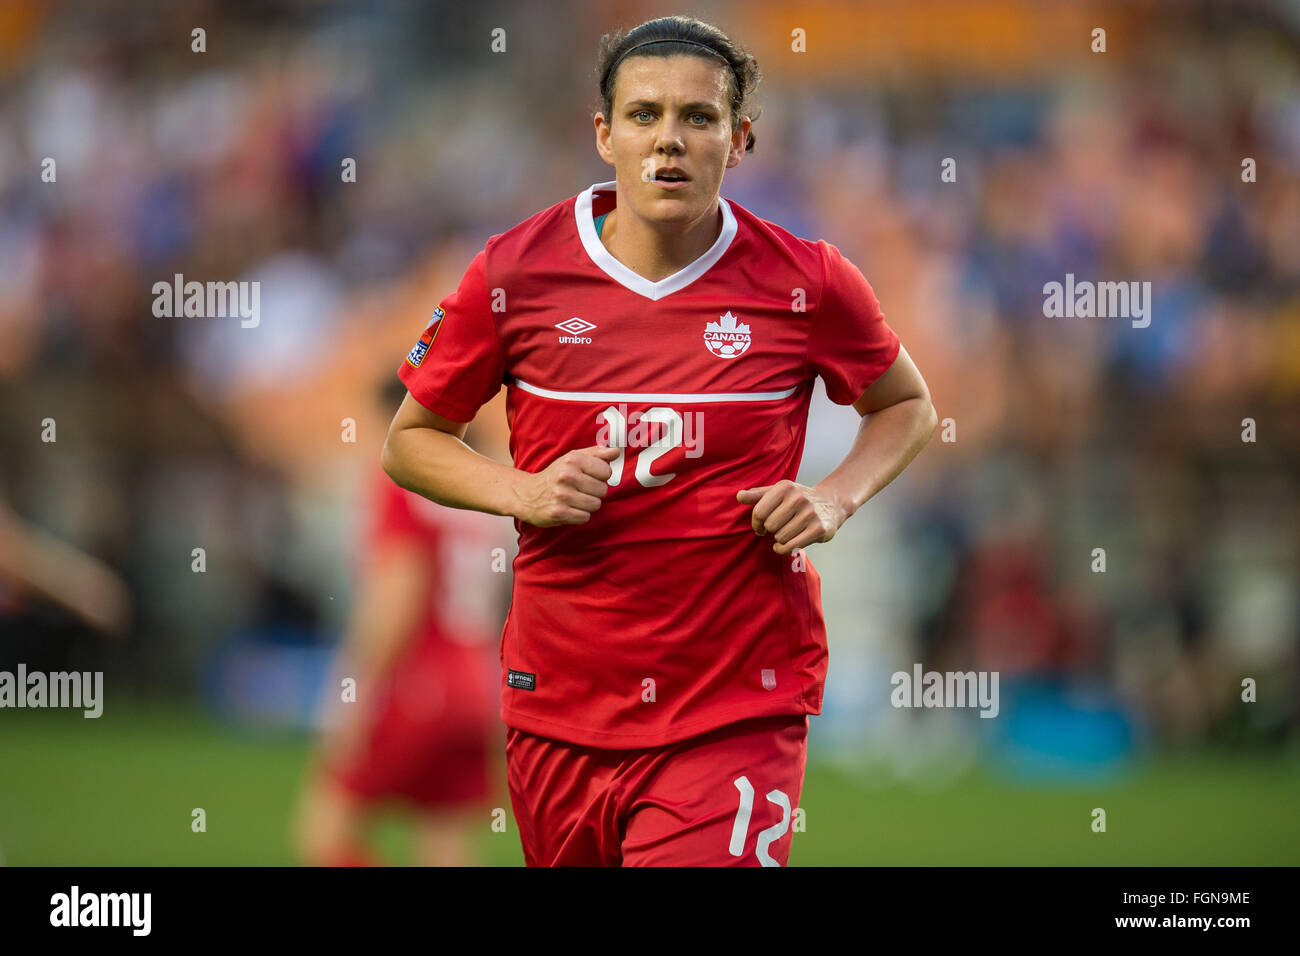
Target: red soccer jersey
664,616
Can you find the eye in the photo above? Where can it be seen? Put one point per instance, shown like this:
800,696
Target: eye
703,116
639,113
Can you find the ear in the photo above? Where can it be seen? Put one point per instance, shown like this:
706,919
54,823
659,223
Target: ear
739,136
602,138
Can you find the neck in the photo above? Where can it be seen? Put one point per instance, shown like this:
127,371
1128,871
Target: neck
658,250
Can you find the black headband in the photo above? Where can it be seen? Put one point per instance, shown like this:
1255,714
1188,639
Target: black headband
613,66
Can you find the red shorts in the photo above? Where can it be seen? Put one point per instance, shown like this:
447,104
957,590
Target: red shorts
433,725
722,798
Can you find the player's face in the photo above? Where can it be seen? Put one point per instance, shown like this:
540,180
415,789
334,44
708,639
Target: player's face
670,112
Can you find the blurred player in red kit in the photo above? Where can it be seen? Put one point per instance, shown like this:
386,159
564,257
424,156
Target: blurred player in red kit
422,727
659,343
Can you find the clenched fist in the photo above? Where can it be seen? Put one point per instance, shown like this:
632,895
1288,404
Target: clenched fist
794,514
568,490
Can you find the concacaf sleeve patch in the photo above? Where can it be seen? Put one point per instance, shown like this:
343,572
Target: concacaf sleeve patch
421,349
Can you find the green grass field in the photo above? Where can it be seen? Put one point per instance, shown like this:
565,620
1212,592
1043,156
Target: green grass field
119,791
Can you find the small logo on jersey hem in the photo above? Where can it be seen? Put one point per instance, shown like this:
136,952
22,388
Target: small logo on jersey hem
575,327
727,338
769,678
521,681
421,348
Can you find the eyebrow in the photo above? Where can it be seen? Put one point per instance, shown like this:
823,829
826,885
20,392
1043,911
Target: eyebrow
697,105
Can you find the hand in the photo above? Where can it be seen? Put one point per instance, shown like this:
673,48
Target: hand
568,490
794,514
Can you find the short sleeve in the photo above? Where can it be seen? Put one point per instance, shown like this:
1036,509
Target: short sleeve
457,365
849,344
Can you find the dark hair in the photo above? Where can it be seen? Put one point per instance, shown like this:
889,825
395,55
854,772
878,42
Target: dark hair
688,36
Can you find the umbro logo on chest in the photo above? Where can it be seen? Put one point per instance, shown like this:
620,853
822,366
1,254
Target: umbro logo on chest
576,330
727,338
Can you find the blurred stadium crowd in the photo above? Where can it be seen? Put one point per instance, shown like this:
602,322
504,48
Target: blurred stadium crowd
1070,434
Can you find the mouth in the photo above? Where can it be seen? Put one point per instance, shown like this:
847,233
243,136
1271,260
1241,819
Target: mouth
670,177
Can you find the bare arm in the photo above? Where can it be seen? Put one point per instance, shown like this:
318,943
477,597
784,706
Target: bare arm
76,581
387,610
898,420
425,453
382,623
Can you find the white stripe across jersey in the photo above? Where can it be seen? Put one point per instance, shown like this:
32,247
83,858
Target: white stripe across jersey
676,398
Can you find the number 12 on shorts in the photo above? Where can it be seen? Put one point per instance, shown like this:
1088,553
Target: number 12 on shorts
765,837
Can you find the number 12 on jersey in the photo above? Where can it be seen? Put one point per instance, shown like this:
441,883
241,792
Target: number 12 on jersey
616,425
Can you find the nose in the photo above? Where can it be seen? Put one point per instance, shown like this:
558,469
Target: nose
668,136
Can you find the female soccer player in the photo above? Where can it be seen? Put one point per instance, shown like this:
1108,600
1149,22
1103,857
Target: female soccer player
419,733
665,642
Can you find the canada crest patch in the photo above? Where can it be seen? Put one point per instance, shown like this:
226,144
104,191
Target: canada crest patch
727,338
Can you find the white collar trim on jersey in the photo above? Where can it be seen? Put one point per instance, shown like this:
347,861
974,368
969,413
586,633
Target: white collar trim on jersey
625,276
